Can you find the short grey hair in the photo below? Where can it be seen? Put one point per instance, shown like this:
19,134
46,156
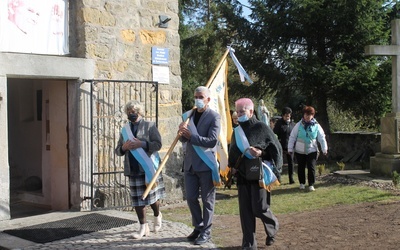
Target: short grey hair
204,90
134,105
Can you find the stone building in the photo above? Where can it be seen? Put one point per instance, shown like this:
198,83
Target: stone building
52,93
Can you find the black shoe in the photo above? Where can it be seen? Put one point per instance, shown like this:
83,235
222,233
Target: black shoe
203,238
292,182
193,235
270,241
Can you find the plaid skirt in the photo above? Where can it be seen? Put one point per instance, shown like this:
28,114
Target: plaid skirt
138,186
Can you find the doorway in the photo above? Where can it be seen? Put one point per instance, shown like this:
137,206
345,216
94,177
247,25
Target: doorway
38,145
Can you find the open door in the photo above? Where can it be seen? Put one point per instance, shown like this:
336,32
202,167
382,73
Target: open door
38,146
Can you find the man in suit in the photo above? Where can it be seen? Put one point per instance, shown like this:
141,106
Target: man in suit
201,136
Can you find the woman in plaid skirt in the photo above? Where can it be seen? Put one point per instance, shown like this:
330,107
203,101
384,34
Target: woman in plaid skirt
139,143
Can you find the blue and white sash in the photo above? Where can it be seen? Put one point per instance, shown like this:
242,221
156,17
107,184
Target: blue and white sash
205,154
269,178
149,164
187,115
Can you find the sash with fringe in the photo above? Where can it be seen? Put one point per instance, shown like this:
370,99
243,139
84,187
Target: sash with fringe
269,179
205,154
149,164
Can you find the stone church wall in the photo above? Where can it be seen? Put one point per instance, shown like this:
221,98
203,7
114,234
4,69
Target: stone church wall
119,35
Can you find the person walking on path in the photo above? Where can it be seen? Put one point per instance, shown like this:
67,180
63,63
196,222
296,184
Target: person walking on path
139,143
257,139
283,127
303,143
200,163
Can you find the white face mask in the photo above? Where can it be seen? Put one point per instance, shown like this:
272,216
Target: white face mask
243,118
199,103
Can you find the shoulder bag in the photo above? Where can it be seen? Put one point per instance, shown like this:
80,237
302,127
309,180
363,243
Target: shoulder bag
253,167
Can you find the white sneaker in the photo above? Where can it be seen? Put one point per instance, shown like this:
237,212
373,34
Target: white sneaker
302,186
311,188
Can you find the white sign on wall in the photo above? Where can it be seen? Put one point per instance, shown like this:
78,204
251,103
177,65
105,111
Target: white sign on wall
160,74
34,26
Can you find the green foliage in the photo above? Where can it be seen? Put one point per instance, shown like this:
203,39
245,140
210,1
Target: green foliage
202,46
206,29
321,169
346,121
341,165
313,52
297,52
395,178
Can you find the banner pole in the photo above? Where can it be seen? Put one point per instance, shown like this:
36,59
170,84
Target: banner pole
217,68
162,164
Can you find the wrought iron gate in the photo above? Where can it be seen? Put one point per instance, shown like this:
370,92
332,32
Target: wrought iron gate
109,186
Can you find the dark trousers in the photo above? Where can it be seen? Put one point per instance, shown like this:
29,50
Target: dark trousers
254,202
200,184
309,161
290,166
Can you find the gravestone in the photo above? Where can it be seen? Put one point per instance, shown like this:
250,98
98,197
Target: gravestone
388,160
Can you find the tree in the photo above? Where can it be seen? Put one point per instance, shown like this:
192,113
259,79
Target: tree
200,45
206,29
314,49
307,52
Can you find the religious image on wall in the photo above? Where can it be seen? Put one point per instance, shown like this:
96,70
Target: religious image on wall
34,26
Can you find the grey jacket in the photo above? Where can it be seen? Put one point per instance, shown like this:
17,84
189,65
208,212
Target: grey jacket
208,129
147,132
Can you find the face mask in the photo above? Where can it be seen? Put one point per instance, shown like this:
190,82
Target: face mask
132,117
199,103
243,118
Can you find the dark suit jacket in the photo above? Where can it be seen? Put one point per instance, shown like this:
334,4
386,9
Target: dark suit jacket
208,129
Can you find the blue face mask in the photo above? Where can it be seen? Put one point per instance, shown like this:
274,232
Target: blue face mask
199,103
243,118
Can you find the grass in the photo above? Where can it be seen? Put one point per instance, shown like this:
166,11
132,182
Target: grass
289,199
286,199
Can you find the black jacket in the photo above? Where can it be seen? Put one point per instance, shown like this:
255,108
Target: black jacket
283,130
260,136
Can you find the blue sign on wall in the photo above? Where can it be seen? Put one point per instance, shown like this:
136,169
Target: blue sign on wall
159,55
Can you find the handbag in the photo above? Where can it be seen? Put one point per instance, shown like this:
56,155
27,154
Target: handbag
254,169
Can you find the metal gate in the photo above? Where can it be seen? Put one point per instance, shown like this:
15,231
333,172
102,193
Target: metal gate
109,186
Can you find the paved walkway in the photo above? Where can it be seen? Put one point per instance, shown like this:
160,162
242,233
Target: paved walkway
172,236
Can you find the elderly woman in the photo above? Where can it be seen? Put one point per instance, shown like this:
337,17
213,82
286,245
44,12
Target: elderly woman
139,142
303,142
235,122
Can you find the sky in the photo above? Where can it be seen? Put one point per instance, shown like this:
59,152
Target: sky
246,11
